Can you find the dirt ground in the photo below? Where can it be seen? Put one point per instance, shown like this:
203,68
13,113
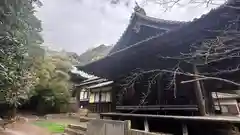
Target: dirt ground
24,129
68,121
27,128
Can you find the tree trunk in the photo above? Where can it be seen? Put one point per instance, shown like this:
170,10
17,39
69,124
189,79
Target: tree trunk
11,113
14,112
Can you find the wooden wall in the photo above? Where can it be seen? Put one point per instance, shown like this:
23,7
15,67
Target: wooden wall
100,107
160,93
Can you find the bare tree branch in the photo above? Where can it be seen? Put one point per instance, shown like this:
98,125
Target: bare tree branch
212,78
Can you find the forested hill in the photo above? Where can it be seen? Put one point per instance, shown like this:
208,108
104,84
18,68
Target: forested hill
94,54
89,56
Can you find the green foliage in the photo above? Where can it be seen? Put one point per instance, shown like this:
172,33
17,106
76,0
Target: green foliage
19,30
52,90
52,127
27,71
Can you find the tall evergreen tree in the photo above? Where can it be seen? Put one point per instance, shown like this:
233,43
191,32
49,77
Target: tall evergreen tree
19,32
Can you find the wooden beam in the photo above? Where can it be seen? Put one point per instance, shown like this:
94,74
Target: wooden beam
199,94
207,119
160,107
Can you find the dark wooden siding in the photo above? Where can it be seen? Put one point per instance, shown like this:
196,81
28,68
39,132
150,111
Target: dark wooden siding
100,107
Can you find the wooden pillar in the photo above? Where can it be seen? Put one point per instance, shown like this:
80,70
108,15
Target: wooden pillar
127,127
146,126
78,92
159,89
199,94
113,97
184,129
99,102
209,104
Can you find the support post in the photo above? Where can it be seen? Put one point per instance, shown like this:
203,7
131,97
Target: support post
159,88
78,92
184,129
146,126
199,94
113,97
127,126
99,109
101,116
209,104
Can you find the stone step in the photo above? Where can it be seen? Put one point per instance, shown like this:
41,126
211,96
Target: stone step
77,127
83,112
70,131
94,115
86,119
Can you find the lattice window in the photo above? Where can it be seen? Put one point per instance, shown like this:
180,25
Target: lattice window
83,94
91,100
224,109
96,97
103,97
108,97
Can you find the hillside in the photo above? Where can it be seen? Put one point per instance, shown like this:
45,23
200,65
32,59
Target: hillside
86,57
94,54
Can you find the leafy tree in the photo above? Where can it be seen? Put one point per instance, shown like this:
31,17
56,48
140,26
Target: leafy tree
19,30
52,91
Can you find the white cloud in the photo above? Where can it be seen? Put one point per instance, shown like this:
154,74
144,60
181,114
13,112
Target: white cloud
76,25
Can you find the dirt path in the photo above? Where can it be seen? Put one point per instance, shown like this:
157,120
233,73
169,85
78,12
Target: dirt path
27,128
11,132
24,129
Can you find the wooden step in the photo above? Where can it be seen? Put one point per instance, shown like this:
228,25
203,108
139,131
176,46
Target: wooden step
70,131
77,127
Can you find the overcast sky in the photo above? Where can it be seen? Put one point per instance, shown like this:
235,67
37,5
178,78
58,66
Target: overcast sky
77,25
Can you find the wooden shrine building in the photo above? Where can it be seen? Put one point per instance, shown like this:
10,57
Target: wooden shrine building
151,50
141,46
94,94
100,99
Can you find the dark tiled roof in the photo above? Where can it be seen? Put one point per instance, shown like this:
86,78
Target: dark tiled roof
143,54
103,84
142,27
90,82
161,21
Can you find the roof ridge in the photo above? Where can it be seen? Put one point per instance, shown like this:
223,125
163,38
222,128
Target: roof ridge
182,27
145,17
129,23
160,20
